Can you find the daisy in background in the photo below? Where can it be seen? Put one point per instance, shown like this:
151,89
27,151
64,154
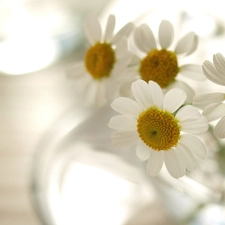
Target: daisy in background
160,64
107,58
161,126
212,103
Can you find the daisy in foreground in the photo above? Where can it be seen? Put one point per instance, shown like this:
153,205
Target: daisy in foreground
157,62
96,77
161,126
212,103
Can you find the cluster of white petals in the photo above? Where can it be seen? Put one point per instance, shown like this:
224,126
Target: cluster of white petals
146,41
181,157
213,103
133,93
97,92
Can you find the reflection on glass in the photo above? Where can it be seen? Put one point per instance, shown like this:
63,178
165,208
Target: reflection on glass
34,34
78,179
26,55
90,194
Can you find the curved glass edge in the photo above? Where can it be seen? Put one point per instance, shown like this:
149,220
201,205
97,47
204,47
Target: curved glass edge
44,151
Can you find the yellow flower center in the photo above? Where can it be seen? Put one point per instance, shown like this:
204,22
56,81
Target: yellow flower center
158,129
99,60
160,66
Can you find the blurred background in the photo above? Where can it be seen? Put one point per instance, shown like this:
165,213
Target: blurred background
38,40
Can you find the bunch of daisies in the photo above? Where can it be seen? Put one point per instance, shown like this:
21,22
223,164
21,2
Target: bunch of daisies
159,113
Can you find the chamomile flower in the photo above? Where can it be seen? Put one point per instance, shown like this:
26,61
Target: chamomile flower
161,126
161,64
96,77
213,103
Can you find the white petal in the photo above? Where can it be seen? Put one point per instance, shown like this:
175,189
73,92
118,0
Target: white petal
76,70
110,28
214,111
196,126
125,82
119,71
121,48
142,150
185,44
81,85
191,155
220,128
135,60
100,95
194,45
142,93
188,113
111,88
144,38
166,34
124,31
156,93
195,145
130,75
193,71
202,100
187,157
219,62
211,73
185,87
122,122
173,99
154,163
174,163
93,29
91,92
126,106
123,138
121,65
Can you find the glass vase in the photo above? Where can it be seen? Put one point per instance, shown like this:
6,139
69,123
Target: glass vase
79,177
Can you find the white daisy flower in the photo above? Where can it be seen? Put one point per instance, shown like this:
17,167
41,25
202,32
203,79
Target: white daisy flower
159,63
213,103
161,126
106,59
